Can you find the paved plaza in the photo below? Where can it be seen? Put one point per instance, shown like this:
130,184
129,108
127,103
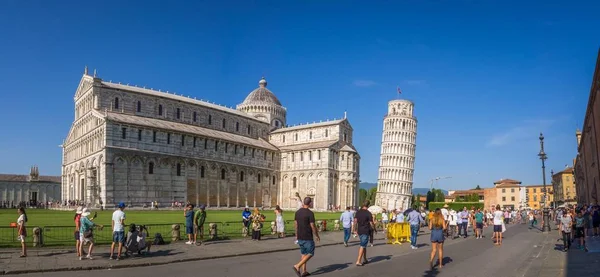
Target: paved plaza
525,252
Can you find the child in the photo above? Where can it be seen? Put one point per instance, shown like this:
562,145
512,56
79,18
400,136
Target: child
142,235
580,223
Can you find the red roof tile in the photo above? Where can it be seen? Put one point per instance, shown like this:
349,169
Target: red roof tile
507,181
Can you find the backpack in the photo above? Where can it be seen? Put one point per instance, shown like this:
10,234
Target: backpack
158,239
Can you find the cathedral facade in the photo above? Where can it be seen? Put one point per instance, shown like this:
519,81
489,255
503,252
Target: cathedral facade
140,145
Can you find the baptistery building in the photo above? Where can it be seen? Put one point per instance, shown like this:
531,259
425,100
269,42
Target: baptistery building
141,145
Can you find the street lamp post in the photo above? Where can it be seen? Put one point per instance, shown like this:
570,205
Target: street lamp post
546,212
553,187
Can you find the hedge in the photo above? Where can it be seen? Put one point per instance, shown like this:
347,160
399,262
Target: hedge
455,205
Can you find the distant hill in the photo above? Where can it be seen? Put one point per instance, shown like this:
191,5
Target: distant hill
421,191
367,186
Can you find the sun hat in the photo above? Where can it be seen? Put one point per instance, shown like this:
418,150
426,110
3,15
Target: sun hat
86,212
79,210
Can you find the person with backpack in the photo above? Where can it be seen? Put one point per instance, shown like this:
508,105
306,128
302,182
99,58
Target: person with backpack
86,232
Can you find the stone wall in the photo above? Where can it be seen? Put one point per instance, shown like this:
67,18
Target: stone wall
22,191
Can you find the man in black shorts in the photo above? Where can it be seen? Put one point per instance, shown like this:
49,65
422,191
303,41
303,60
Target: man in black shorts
363,220
304,224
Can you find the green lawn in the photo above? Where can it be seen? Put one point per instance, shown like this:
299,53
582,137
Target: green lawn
58,226
65,218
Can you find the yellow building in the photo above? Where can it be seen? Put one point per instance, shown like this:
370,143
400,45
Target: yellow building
534,196
563,183
508,193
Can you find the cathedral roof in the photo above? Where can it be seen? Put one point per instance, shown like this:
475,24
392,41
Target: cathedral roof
25,178
310,125
348,148
308,146
187,128
261,95
181,98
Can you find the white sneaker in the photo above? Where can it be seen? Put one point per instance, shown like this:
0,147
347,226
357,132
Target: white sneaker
188,242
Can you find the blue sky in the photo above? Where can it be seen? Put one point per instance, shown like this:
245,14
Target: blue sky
486,76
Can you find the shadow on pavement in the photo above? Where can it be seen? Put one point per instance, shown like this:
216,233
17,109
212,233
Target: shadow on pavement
162,253
330,268
446,260
50,254
380,258
558,247
431,273
218,242
581,263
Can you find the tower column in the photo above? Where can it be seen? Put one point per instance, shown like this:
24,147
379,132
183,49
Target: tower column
396,167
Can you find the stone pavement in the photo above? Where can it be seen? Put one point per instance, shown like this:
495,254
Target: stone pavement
464,258
61,259
553,262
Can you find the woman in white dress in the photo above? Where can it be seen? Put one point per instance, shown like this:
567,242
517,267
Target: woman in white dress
22,231
279,224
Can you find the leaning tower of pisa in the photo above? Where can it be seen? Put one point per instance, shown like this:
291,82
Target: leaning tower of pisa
397,162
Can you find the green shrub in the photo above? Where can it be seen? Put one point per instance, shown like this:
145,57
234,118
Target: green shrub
455,205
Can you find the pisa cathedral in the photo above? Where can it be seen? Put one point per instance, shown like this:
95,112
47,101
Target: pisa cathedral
397,163
140,145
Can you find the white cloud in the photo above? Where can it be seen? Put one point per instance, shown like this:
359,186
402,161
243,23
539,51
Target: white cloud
526,129
364,83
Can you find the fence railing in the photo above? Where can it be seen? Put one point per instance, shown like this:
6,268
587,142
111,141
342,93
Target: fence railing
65,235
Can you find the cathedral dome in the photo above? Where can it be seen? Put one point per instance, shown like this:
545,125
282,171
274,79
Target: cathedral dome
261,95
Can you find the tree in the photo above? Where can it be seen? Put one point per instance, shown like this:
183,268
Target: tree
438,195
430,197
472,198
416,203
362,196
371,195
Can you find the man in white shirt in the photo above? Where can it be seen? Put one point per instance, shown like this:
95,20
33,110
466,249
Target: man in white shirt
118,226
445,215
399,217
346,218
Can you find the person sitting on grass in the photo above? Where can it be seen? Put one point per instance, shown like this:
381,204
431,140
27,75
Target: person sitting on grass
131,245
136,240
